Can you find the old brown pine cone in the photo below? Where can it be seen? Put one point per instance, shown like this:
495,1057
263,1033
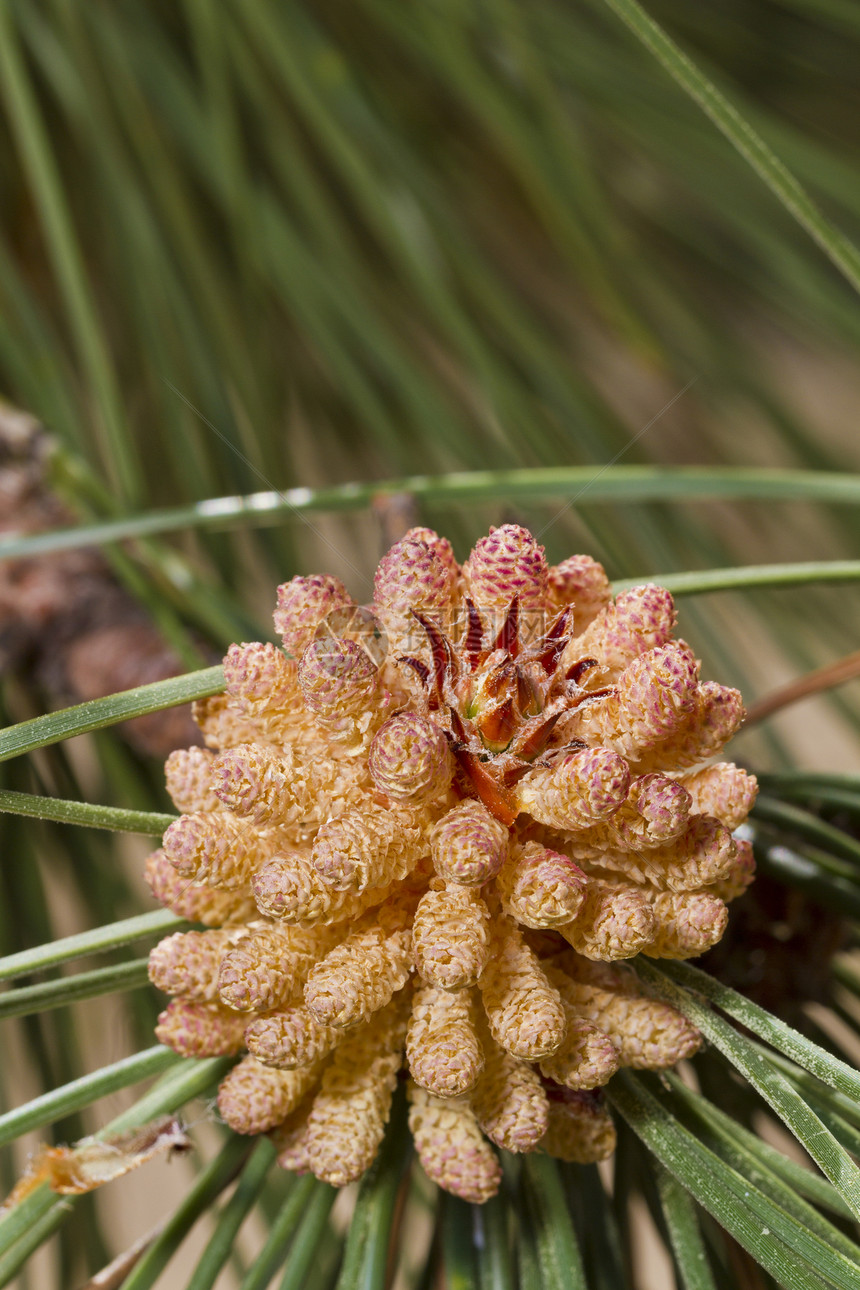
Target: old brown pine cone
432,859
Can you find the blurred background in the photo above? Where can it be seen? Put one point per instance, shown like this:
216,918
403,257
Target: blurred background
297,245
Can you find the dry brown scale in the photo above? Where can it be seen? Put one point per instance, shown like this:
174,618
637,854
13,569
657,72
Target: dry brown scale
438,854
67,624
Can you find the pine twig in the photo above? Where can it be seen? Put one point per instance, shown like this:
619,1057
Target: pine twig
114,1273
824,678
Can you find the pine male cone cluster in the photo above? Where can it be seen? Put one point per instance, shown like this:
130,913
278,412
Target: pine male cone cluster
427,834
